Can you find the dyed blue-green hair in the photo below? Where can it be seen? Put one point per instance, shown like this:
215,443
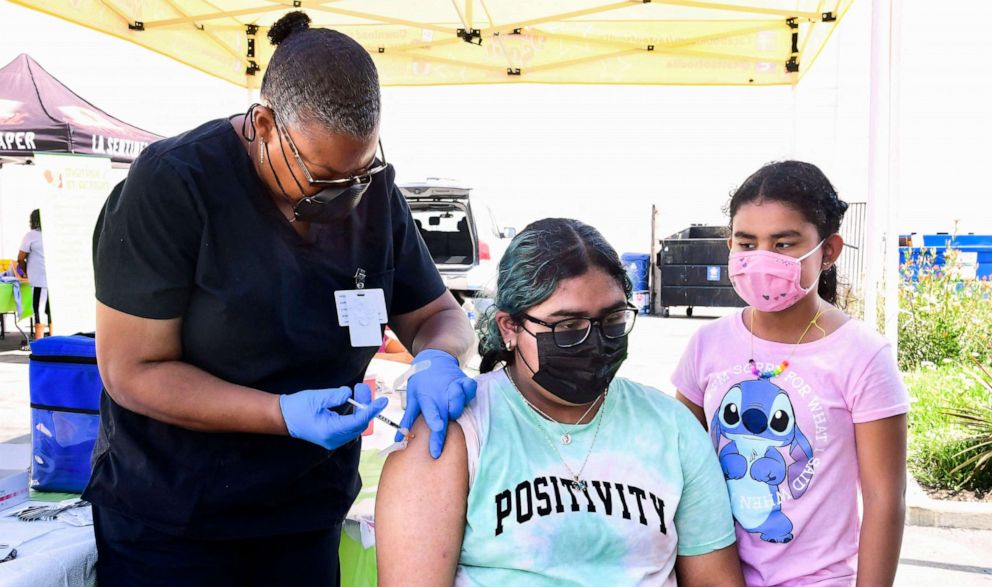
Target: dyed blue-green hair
537,260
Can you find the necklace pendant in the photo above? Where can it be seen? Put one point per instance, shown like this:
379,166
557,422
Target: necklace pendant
566,439
581,485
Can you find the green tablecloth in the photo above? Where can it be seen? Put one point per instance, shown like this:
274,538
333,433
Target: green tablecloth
358,564
49,496
7,305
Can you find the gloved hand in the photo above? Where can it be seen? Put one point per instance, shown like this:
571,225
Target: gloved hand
307,415
440,393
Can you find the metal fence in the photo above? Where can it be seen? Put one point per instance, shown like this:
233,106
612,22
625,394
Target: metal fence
851,266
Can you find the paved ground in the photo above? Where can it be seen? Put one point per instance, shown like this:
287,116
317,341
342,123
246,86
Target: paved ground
945,557
15,415
656,346
930,556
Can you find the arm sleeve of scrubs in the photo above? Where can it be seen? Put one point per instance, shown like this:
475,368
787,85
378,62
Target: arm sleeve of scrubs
703,518
416,281
146,242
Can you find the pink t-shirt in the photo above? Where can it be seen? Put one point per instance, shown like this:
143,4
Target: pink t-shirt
786,444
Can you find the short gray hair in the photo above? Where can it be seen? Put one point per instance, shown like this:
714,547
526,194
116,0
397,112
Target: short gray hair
321,77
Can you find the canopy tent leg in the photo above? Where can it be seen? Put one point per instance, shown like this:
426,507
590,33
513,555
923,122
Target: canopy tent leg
895,173
883,263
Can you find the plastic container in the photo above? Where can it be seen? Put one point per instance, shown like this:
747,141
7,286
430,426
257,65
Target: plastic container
65,411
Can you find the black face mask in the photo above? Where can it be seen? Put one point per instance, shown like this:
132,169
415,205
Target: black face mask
578,374
330,205
326,206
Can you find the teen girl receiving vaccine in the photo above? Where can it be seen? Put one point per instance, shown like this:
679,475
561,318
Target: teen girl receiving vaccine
558,473
804,405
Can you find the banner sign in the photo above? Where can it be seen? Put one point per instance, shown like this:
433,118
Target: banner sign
74,189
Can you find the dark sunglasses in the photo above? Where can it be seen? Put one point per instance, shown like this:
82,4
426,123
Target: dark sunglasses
378,164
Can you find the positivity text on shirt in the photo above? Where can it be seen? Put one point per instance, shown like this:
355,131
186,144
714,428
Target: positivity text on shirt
546,496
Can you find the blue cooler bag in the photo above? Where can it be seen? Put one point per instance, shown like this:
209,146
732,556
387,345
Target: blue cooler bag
65,411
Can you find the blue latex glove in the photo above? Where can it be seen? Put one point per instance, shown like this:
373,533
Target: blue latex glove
440,393
308,417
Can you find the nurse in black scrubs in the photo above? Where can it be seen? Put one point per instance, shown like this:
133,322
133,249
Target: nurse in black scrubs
227,454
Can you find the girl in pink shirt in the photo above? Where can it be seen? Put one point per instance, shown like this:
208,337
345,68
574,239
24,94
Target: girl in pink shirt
804,404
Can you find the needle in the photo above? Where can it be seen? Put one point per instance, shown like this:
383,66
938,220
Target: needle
403,431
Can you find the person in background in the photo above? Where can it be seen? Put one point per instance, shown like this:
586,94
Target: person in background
392,349
31,262
244,271
804,404
558,473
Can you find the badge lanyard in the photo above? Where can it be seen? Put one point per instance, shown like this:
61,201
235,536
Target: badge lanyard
362,311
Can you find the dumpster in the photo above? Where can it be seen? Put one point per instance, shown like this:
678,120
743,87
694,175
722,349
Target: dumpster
692,271
638,266
974,254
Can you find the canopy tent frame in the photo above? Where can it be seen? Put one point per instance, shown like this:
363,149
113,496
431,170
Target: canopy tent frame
798,29
747,42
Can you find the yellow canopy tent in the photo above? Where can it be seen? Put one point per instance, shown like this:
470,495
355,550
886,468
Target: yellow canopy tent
439,42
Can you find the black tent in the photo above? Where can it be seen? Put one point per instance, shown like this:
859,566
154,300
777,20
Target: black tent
39,114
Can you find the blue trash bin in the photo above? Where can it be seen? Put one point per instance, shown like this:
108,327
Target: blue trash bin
638,266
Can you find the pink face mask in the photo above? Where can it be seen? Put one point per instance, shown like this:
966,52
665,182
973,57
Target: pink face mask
767,281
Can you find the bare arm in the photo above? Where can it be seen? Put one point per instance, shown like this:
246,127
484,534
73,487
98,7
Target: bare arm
440,325
420,511
394,351
22,262
882,467
400,357
139,361
697,411
720,568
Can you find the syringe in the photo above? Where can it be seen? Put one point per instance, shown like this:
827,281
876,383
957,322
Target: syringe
404,431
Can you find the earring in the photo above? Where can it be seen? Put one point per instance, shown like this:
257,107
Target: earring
509,346
261,154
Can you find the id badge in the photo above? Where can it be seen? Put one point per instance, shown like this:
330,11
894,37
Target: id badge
362,311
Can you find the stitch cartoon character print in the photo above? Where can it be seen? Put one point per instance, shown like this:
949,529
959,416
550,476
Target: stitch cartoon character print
766,459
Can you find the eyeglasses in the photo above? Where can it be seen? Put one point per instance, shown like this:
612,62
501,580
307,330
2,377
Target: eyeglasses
574,331
378,164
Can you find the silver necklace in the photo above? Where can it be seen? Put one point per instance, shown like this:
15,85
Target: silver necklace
577,481
566,436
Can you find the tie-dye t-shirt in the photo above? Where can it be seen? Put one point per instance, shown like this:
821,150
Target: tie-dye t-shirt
786,444
653,491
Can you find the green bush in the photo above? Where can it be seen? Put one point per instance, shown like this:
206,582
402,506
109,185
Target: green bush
942,315
937,438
